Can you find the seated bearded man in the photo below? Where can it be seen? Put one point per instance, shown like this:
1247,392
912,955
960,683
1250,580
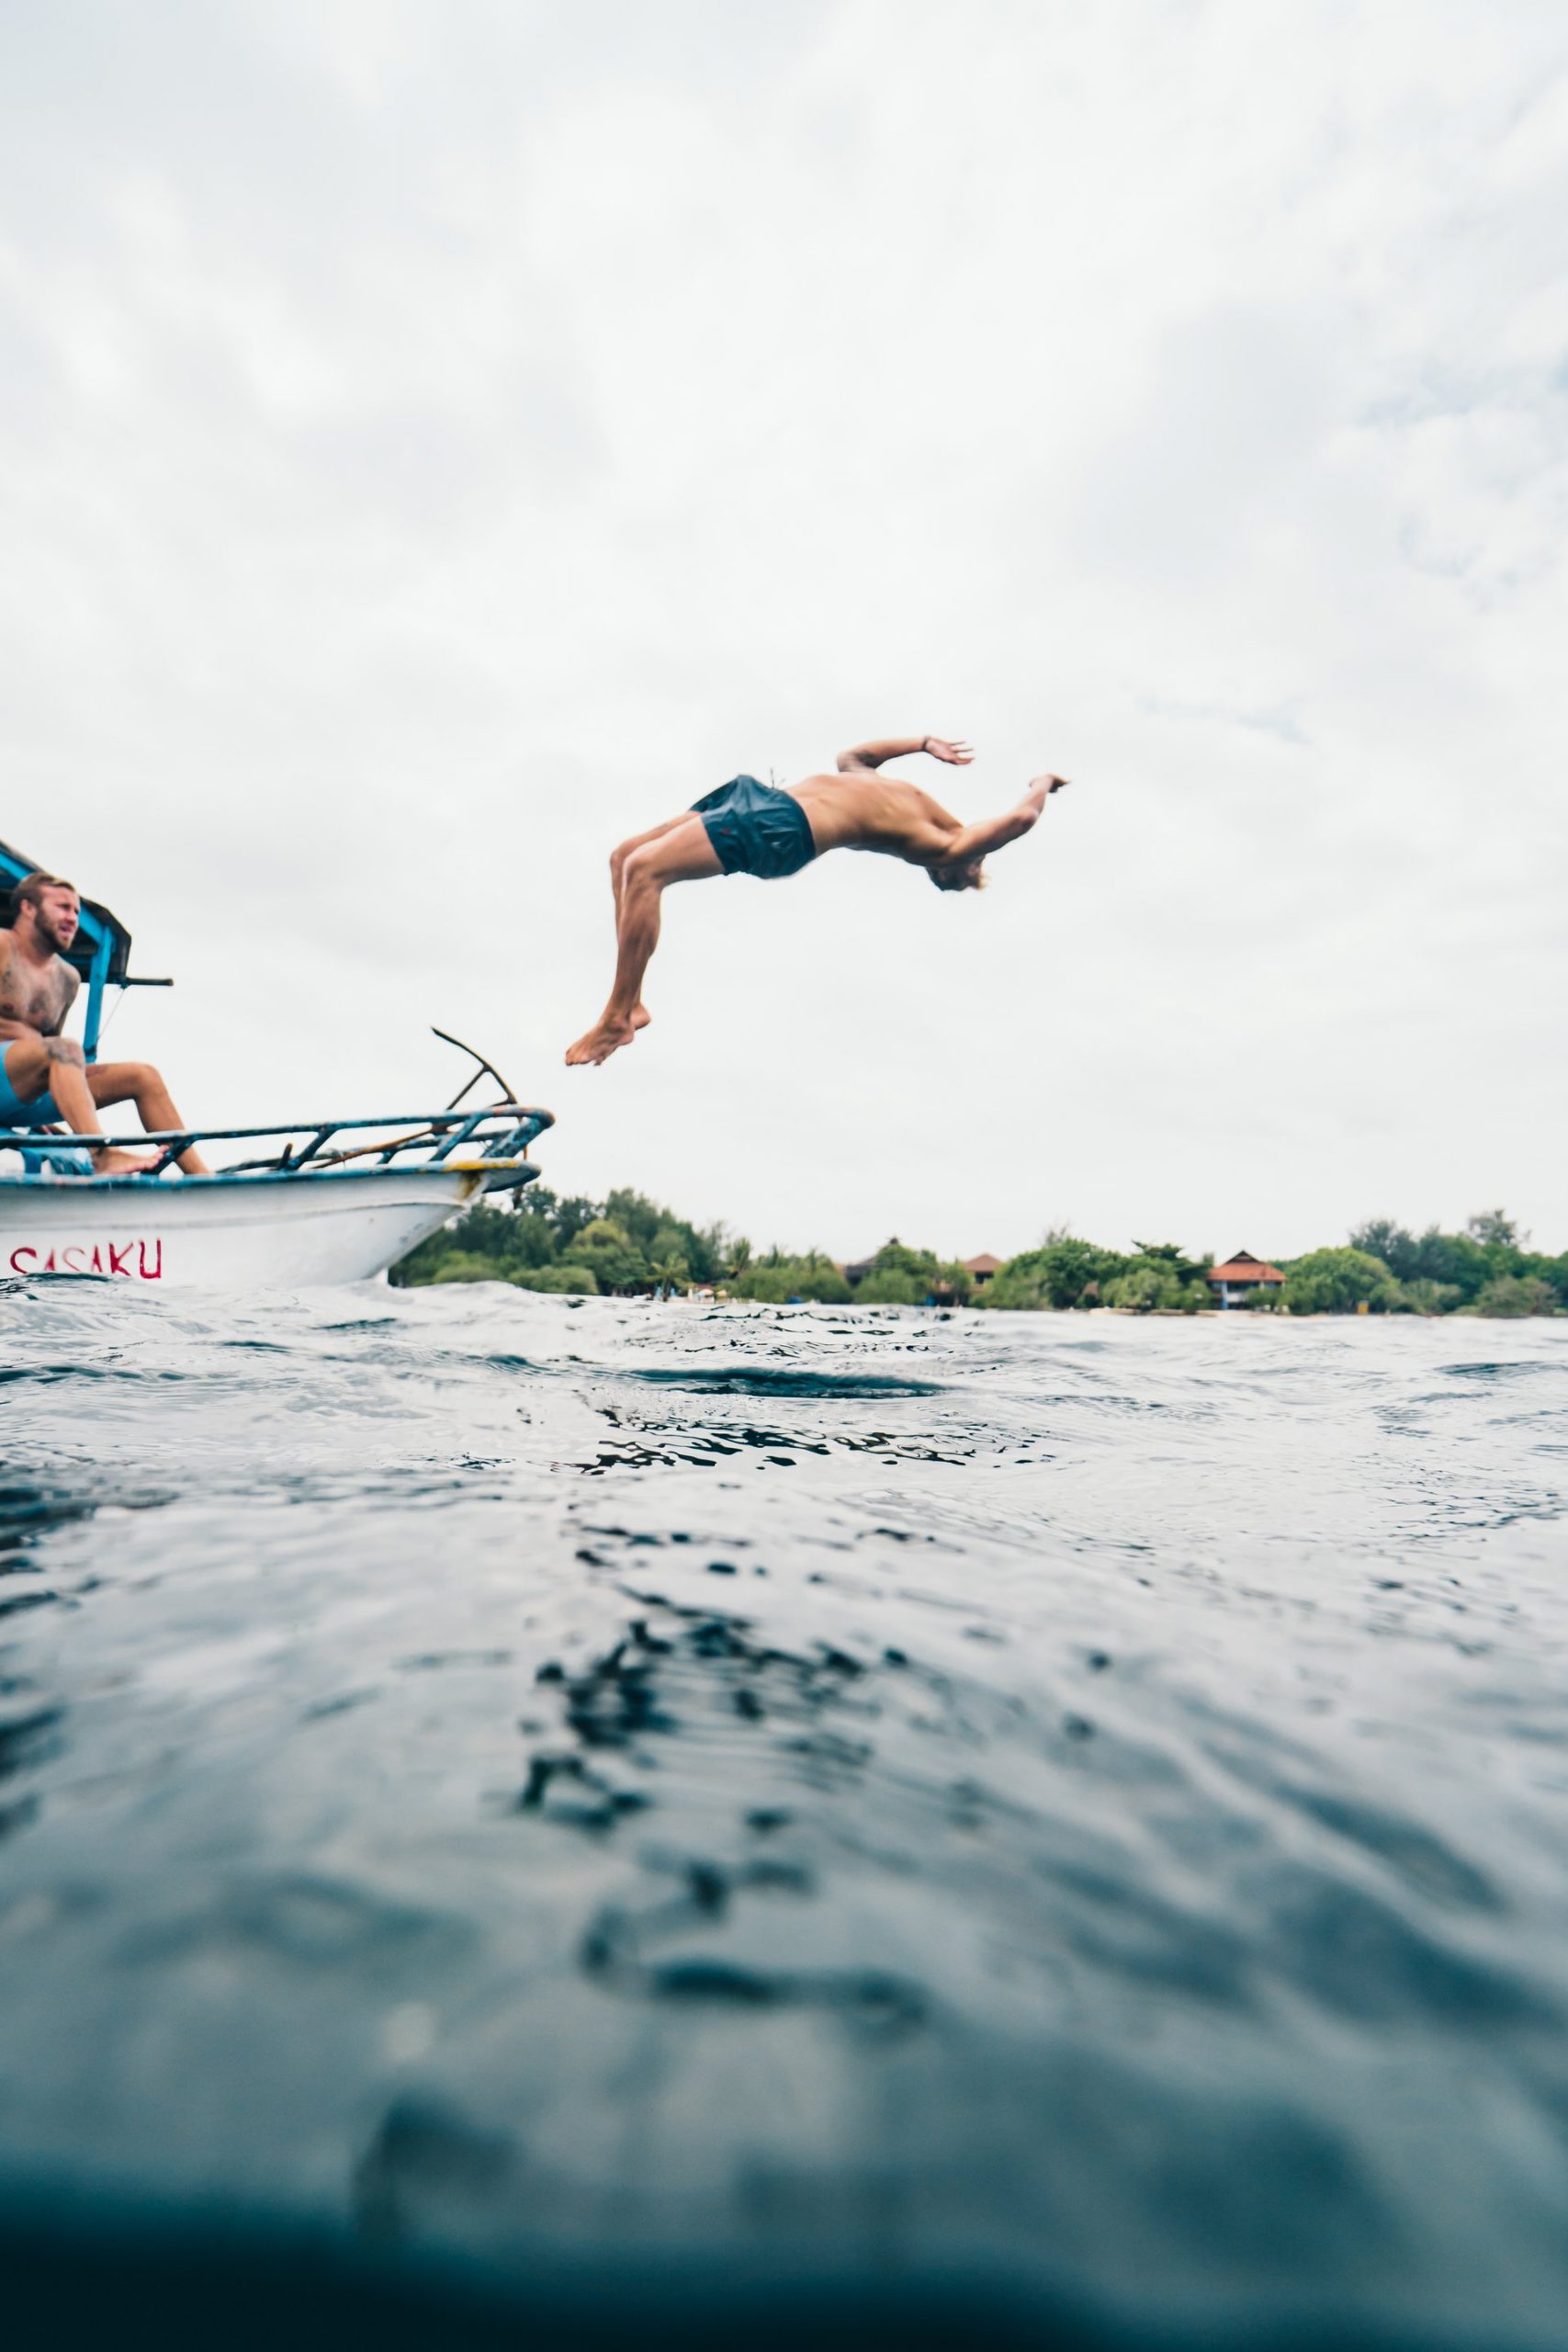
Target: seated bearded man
44,1077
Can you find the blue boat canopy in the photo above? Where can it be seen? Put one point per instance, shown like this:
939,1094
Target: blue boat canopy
100,951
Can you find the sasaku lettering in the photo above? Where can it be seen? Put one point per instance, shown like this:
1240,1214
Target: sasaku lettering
135,1260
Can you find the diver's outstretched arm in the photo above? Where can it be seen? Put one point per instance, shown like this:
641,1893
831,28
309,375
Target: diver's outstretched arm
995,832
902,747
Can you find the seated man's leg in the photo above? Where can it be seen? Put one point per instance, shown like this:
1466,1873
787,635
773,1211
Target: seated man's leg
684,853
139,1083
36,1068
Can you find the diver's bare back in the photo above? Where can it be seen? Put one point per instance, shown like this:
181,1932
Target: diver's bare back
872,812
770,830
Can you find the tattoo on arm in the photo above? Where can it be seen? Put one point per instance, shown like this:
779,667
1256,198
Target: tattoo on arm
64,1049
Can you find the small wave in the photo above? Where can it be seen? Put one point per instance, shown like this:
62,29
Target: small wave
764,1380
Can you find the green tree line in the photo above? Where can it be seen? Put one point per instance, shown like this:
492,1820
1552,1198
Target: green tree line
545,1243
626,1243
1382,1269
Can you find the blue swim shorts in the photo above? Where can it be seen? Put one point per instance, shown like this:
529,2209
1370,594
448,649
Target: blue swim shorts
757,829
14,1112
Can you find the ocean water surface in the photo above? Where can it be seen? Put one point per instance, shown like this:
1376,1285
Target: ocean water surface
524,1821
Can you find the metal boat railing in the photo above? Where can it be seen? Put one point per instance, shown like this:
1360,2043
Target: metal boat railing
492,1140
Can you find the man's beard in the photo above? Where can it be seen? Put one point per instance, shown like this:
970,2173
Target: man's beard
52,936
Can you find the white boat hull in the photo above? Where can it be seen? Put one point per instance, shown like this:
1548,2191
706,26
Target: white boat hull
264,1231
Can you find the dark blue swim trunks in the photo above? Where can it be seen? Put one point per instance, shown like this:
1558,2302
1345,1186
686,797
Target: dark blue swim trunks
757,829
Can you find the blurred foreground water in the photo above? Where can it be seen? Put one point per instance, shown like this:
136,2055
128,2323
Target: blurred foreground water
528,1822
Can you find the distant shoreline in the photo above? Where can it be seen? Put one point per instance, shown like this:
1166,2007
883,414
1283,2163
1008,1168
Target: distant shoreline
627,1245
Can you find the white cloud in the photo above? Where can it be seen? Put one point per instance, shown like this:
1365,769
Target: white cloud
437,442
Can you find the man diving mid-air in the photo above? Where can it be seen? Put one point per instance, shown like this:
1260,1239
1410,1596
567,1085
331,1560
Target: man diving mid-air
751,827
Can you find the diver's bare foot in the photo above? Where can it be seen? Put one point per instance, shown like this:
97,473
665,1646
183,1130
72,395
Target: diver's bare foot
640,1016
1051,783
123,1163
600,1043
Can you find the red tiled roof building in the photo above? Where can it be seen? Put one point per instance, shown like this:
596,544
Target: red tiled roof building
1234,1283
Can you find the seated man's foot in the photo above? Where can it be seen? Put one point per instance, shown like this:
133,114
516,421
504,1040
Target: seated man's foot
600,1043
640,1015
114,1162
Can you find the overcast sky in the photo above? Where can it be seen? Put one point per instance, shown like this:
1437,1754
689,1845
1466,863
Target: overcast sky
441,437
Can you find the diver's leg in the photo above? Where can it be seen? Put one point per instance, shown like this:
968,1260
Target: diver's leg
618,857
139,1083
680,853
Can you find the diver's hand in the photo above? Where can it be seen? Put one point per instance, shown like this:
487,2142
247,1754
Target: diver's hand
957,755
